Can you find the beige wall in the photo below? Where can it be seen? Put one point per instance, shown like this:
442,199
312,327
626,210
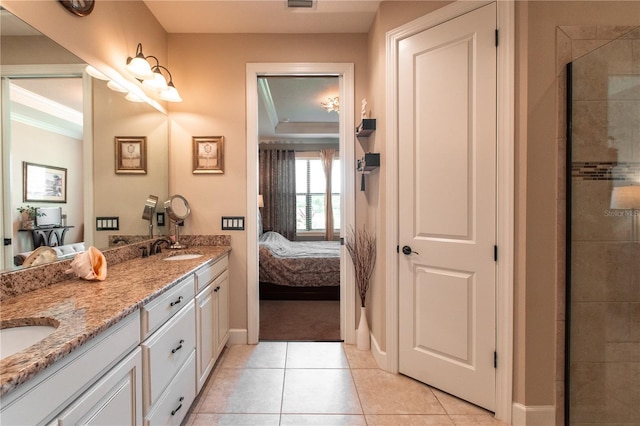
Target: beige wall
209,71
113,116
540,262
370,205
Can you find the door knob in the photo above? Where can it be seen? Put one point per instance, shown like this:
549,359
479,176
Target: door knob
407,250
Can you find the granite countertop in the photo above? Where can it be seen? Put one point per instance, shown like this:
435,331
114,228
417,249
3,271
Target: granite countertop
83,309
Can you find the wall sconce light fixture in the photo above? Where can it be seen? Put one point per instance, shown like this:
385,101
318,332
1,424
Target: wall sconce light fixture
152,77
138,66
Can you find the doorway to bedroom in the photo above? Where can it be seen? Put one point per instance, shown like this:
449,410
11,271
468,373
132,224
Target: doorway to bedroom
299,194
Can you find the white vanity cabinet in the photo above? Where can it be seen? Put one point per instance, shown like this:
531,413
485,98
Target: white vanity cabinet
100,378
168,353
114,400
212,316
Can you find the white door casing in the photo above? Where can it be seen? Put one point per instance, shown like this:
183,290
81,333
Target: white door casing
347,203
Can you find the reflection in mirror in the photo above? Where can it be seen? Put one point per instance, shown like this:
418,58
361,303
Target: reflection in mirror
149,210
38,135
178,209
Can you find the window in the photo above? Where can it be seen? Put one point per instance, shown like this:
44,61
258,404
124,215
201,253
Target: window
310,192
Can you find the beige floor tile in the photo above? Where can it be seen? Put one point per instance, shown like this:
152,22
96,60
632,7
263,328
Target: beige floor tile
319,391
262,355
316,355
322,420
236,419
244,391
408,420
385,393
358,358
453,405
475,420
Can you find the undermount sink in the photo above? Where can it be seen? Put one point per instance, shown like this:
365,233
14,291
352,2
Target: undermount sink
184,256
15,339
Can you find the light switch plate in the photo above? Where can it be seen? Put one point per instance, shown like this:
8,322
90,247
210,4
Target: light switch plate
233,223
110,223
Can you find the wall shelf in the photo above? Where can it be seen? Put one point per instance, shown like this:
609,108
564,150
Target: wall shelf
366,128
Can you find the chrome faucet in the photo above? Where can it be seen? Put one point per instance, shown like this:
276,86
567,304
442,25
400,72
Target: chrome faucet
155,246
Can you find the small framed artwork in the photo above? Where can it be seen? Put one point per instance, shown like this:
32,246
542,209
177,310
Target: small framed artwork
47,184
208,154
131,154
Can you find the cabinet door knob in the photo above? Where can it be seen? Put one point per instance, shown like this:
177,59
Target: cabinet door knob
176,302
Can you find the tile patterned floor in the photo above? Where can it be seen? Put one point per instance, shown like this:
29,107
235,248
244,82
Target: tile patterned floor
308,383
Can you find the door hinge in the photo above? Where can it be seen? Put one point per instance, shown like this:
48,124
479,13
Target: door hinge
495,359
497,37
398,248
495,253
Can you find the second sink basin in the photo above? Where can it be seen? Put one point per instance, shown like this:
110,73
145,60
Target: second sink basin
15,339
184,256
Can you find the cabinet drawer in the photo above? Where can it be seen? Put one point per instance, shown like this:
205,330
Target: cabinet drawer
174,404
206,274
158,311
165,352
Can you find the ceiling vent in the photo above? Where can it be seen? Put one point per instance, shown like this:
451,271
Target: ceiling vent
308,4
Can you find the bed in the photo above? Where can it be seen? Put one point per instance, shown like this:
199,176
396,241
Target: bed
295,270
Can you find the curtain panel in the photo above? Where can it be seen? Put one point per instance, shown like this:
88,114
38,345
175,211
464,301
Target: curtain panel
326,155
277,185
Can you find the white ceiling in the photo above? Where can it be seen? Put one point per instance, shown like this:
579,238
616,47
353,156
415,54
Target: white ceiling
263,16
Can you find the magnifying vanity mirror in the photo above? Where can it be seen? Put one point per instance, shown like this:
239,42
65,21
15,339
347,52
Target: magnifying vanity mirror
31,65
178,210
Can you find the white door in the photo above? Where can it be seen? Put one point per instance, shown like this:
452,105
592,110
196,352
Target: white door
447,206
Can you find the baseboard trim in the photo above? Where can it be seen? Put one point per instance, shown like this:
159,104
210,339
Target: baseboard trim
238,336
379,355
540,415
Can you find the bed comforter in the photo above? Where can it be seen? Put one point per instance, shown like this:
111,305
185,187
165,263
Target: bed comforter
298,263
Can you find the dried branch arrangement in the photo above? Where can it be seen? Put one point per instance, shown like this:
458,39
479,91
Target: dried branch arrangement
361,245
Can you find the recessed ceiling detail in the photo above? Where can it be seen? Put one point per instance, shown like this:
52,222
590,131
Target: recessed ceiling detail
291,107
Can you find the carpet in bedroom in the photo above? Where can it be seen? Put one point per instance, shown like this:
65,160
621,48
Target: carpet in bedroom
306,320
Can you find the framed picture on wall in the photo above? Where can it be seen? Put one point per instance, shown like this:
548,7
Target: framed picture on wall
47,184
131,154
208,154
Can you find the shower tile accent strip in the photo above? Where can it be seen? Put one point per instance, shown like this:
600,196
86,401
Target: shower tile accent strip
605,170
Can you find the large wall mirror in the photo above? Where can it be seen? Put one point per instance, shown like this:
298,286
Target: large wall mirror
55,115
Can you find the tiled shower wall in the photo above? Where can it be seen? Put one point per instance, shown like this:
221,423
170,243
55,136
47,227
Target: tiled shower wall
604,373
